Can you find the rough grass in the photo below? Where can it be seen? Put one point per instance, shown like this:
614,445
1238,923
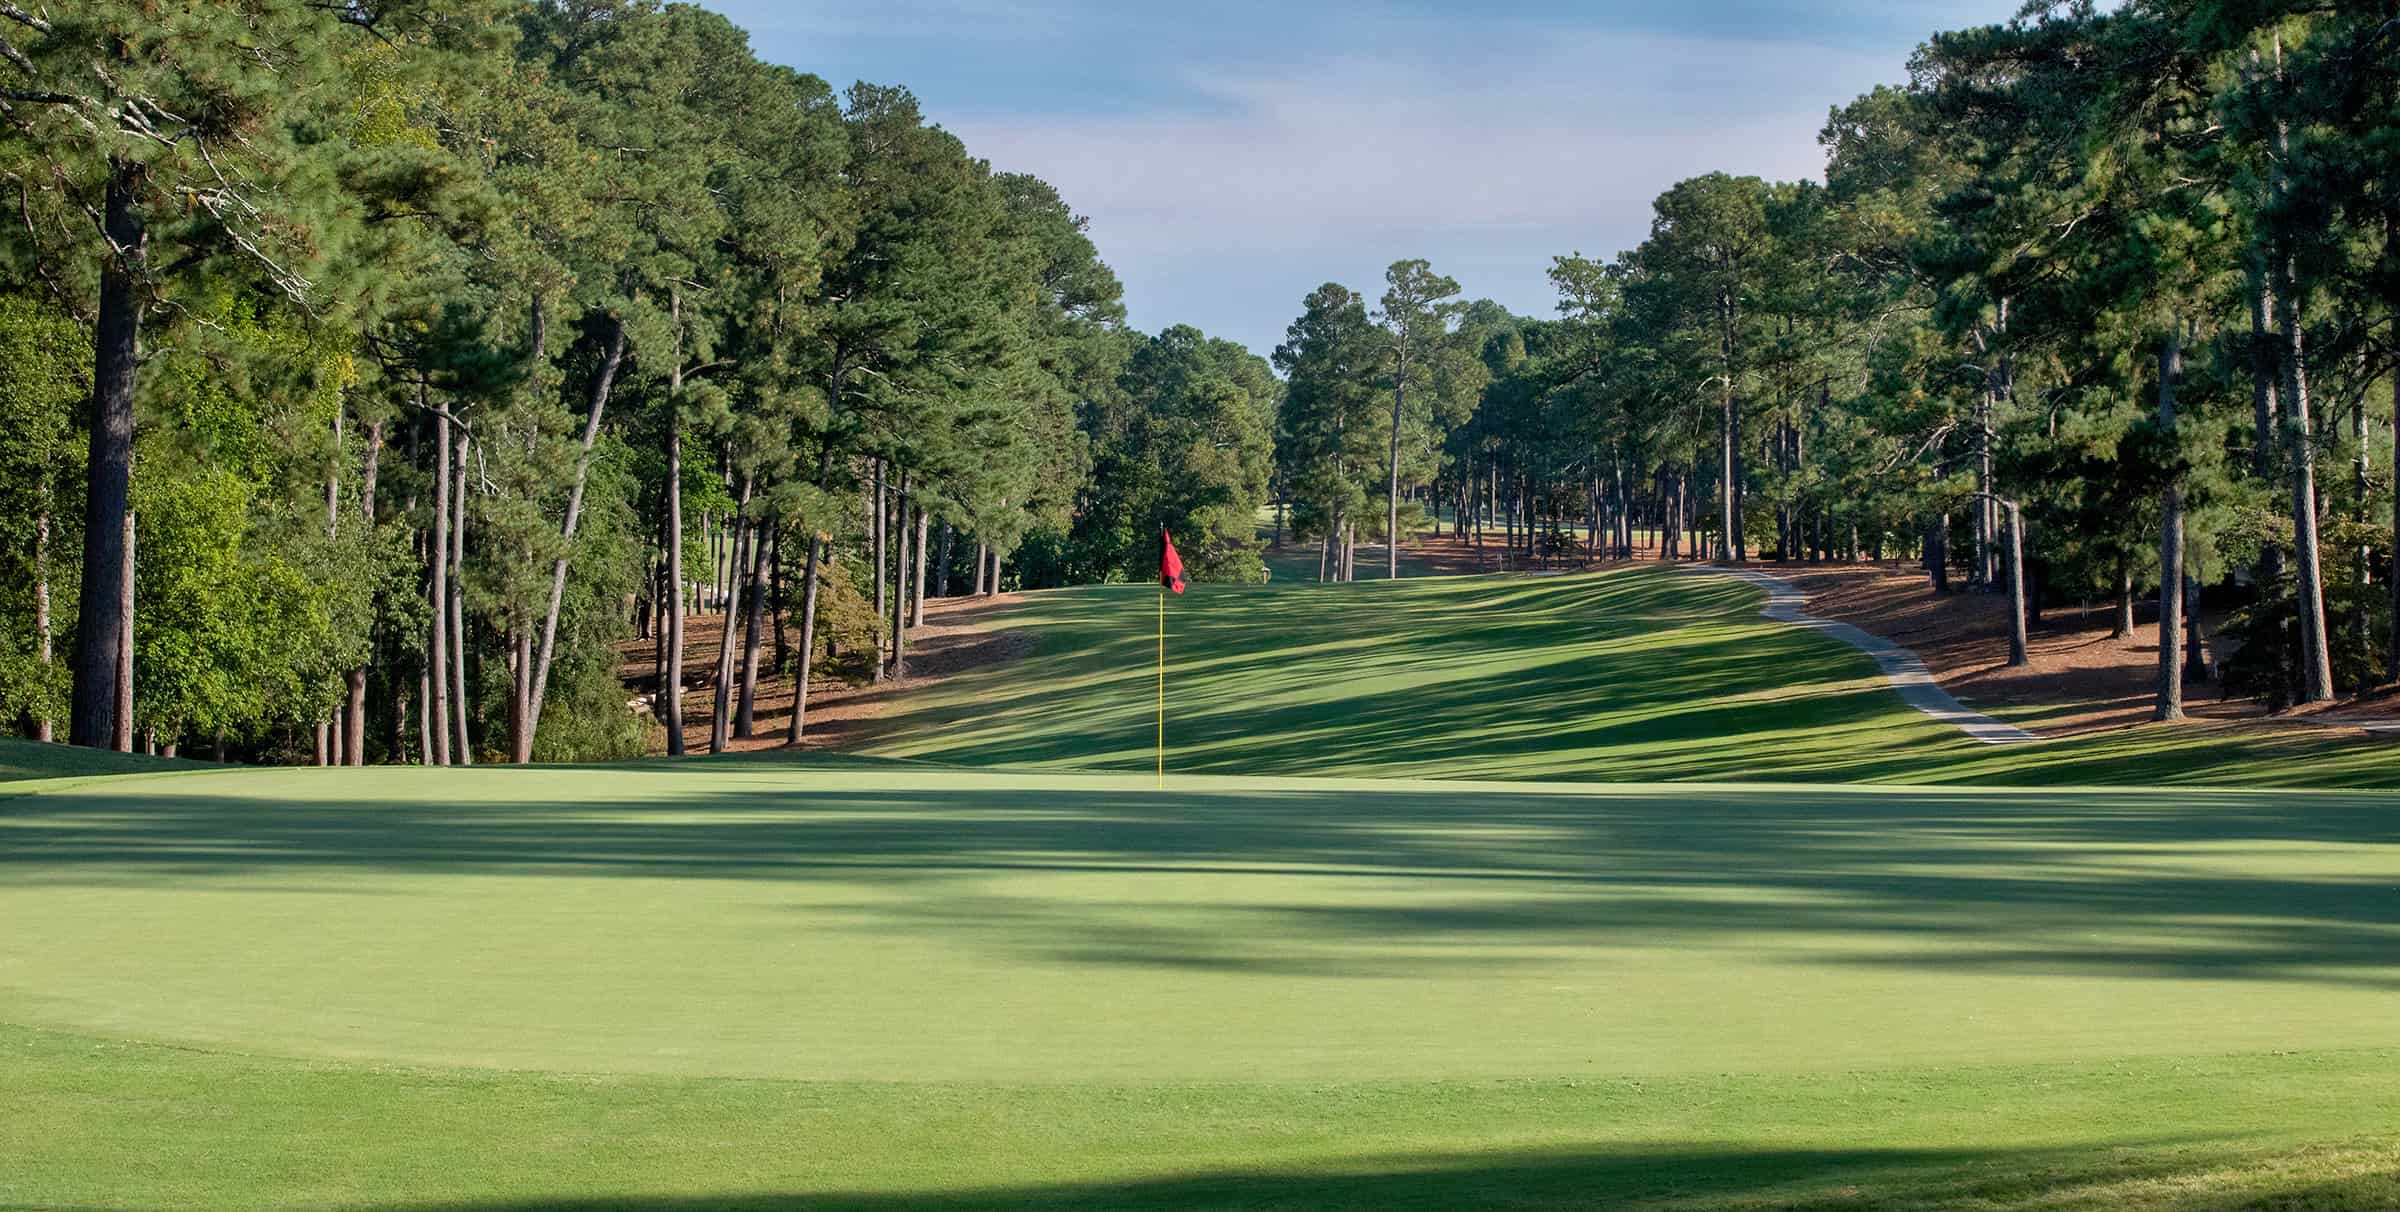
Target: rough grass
842,983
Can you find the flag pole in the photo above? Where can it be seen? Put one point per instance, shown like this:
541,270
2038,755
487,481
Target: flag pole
1162,687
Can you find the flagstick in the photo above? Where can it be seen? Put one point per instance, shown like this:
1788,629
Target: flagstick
1162,687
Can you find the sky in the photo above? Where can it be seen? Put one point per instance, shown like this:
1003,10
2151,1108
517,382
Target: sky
1234,154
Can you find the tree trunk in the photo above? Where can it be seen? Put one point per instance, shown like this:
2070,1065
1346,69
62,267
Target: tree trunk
778,607
665,599
808,639
433,748
2391,655
916,605
437,717
1937,553
2170,540
2263,408
101,621
2016,585
982,562
354,742
941,563
720,720
899,615
1391,525
2123,628
123,741
42,726
2316,667
878,526
462,745
1986,541
755,596
602,384
670,700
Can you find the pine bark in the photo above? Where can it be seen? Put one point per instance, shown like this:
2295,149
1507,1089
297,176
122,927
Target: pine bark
899,599
778,608
1391,528
462,707
808,638
101,622
2123,625
42,725
744,714
916,606
720,721
670,700
123,739
879,513
2263,406
2170,540
1729,419
1937,553
437,716
2391,654
354,740
2316,667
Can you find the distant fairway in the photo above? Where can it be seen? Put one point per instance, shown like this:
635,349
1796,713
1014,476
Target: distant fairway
842,983
1632,675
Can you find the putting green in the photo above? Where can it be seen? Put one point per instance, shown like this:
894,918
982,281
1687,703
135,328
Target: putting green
837,922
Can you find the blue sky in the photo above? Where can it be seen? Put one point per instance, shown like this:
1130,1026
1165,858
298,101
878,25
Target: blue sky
1232,154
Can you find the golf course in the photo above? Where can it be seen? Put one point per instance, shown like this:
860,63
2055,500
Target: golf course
1580,891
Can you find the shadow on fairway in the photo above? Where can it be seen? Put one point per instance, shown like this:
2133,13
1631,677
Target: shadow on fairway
1630,674
2122,883
1694,1177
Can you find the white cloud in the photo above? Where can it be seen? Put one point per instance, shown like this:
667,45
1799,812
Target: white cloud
1224,218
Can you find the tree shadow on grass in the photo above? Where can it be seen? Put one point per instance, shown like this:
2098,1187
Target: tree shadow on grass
2123,883
1667,1177
1625,674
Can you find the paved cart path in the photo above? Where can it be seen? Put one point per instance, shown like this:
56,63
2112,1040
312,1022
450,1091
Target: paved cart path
1901,667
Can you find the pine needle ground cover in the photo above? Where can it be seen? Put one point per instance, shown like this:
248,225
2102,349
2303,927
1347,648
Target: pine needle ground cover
852,984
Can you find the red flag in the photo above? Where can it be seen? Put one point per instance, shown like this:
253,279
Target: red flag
1170,565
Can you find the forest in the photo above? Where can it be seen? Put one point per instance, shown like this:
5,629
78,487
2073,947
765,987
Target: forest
373,372
375,376
2101,306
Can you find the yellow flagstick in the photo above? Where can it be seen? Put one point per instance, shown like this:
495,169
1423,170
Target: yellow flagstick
1162,687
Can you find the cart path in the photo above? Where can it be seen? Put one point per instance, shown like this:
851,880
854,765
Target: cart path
1901,667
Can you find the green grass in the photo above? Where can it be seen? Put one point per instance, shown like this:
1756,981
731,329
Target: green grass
23,760
848,983
116,1125
1628,675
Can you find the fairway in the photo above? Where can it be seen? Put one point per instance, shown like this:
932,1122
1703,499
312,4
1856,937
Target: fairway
1636,674
775,921
828,981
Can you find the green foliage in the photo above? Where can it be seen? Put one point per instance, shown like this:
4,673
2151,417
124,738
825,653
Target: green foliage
44,368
